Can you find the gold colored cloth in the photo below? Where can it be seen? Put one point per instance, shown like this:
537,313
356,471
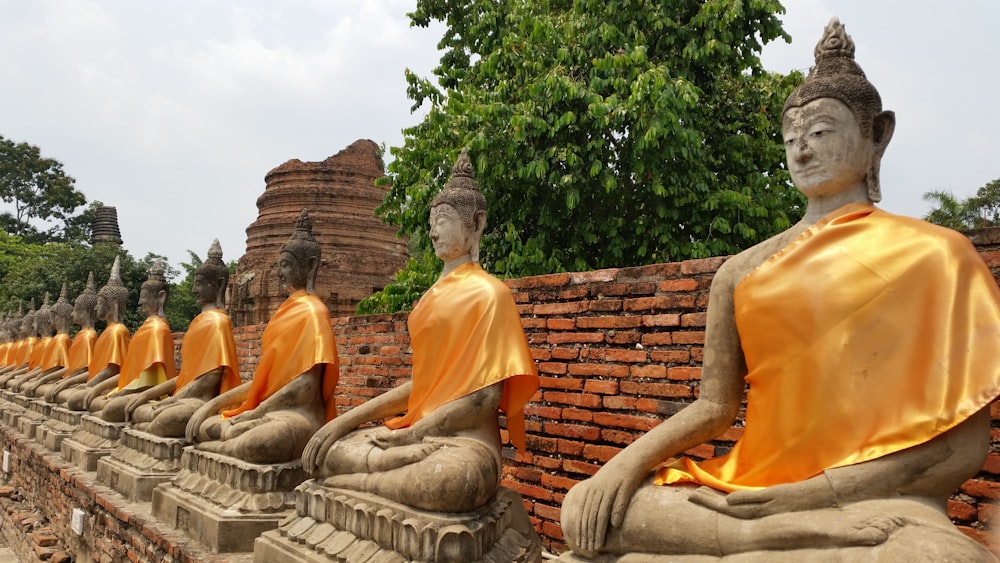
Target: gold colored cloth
80,351
298,337
110,348
56,353
4,352
24,351
208,344
466,335
38,351
150,358
868,334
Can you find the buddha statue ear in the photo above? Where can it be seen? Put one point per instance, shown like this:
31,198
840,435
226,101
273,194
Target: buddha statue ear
476,234
883,126
311,274
220,291
161,303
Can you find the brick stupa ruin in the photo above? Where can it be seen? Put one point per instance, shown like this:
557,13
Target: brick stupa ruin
360,253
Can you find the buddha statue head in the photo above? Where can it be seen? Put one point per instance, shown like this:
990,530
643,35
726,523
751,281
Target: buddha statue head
43,317
836,76
299,259
28,321
85,304
211,279
14,323
113,297
463,196
61,312
154,291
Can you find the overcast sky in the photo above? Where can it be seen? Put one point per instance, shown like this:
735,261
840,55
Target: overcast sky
174,111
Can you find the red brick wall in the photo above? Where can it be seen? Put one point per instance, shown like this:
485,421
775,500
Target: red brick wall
618,351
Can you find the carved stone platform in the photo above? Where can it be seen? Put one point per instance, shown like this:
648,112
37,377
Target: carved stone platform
61,424
34,415
226,503
95,439
141,462
10,410
336,525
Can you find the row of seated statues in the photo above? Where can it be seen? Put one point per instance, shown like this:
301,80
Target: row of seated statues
862,343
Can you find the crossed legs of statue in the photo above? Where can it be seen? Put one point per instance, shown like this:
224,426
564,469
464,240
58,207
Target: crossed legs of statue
454,474
168,419
277,437
663,520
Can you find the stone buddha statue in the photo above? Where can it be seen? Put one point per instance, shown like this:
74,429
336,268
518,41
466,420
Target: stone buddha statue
209,365
81,349
42,329
150,358
270,418
56,357
867,341
13,330
111,346
442,429
25,346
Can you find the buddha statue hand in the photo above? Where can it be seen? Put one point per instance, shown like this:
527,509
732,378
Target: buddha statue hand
314,455
811,494
594,505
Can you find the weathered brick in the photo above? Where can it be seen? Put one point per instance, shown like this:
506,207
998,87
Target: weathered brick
614,355
575,466
575,399
577,431
604,305
682,284
599,453
601,387
684,373
554,368
560,324
702,266
693,319
961,510
559,353
670,356
655,389
624,421
560,383
692,337
982,488
657,339
604,370
568,308
613,321
577,337
570,447
666,319
577,415
648,370
594,276
574,292
619,403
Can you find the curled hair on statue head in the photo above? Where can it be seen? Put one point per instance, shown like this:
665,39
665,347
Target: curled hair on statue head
88,299
61,308
213,267
157,281
115,291
302,244
462,192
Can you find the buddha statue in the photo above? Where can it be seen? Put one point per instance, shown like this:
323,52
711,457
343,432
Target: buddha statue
81,349
56,356
42,329
150,358
868,343
111,346
25,347
208,359
270,418
12,329
470,361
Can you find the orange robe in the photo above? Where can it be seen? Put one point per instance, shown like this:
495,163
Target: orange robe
466,335
869,334
110,348
151,344
56,353
80,351
298,337
4,353
24,351
209,344
38,351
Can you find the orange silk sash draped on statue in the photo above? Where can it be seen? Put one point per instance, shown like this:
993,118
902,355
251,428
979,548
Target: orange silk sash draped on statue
869,334
80,351
209,344
466,335
110,348
151,344
38,352
56,353
298,337
4,353
24,351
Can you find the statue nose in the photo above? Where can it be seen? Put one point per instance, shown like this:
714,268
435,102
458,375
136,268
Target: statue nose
802,151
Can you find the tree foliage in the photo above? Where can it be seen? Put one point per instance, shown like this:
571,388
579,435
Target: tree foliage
979,210
605,133
39,190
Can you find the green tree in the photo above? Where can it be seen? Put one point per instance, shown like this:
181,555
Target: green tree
950,211
182,306
604,133
39,190
986,204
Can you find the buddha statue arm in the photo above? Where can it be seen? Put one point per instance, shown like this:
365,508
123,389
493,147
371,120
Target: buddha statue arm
102,388
388,404
931,470
110,371
601,501
230,399
52,375
50,395
154,392
450,419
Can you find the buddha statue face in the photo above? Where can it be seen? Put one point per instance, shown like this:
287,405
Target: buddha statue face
103,308
826,150
151,301
293,272
452,235
205,289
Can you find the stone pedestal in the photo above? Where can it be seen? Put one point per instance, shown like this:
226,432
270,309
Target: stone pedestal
95,439
10,410
226,503
340,526
141,462
61,424
33,416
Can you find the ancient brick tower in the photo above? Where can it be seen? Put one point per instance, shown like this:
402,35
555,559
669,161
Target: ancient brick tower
360,253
